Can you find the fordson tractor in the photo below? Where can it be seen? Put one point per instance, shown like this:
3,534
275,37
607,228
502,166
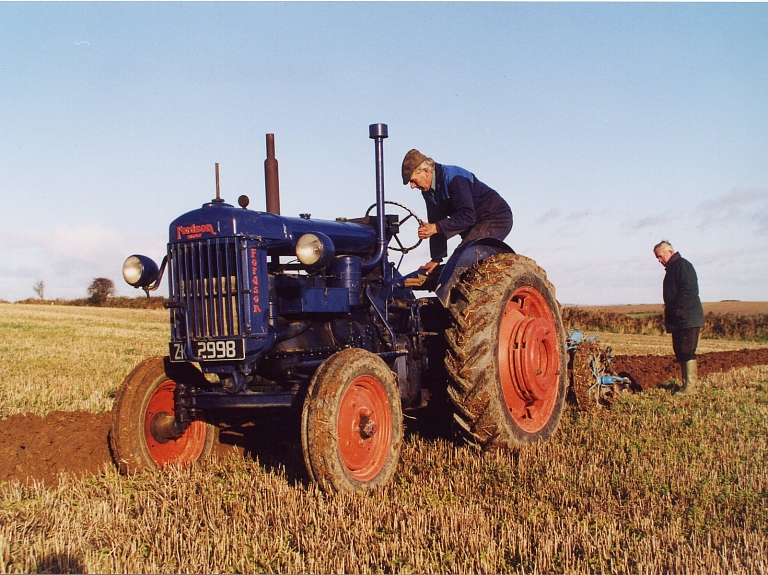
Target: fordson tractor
271,312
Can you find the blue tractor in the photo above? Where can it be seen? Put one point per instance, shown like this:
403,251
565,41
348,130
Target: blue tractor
293,313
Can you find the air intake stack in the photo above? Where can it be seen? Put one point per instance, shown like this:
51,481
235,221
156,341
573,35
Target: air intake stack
378,132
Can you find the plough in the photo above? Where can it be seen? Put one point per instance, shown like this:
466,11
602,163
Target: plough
592,382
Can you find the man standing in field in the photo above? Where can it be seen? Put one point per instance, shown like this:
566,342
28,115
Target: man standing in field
683,313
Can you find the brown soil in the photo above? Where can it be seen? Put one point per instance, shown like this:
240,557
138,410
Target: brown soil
646,371
40,448
33,447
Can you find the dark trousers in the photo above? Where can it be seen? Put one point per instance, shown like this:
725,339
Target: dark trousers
497,228
684,342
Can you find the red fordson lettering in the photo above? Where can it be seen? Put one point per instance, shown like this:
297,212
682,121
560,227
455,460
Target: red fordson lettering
255,280
194,231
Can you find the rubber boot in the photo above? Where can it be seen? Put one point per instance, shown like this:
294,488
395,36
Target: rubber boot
690,378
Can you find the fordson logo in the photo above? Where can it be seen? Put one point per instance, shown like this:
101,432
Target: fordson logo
194,231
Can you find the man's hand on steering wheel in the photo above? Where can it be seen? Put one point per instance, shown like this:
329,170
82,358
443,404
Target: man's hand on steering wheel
426,230
410,214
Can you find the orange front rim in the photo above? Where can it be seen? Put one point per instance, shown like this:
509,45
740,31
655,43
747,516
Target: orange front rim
185,449
529,359
364,428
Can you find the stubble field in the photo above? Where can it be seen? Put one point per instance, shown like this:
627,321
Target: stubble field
654,484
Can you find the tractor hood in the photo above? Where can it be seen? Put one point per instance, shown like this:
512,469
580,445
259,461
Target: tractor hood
219,219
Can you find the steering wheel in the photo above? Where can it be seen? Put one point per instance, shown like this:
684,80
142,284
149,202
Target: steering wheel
411,214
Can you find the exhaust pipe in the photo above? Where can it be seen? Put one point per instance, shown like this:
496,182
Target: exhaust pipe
271,177
378,132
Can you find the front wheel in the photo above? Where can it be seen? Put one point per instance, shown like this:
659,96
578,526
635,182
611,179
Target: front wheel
507,360
351,424
143,412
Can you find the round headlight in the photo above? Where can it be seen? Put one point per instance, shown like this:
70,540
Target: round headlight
315,250
139,271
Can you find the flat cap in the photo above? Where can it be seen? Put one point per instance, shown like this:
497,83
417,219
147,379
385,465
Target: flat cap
412,160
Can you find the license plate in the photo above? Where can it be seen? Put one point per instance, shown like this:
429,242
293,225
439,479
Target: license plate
217,350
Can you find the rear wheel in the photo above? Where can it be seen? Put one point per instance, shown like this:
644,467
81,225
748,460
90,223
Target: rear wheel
142,417
507,360
351,424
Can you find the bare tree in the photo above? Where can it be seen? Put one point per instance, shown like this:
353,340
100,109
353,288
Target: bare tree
100,290
39,289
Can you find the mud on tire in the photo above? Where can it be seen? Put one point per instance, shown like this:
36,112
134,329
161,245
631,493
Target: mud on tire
352,423
506,359
146,394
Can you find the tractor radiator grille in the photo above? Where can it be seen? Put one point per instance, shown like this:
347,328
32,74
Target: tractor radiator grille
203,278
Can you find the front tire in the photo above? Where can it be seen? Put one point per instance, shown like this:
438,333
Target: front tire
507,359
351,424
146,398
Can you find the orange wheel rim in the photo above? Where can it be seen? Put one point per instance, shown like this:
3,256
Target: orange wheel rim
529,359
185,449
364,428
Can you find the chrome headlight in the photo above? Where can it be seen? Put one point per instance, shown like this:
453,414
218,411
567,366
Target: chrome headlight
315,250
139,271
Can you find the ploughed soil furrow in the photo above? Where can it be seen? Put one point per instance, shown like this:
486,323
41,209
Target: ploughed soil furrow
40,448
648,371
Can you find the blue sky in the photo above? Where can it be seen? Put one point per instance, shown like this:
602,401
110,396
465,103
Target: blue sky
606,126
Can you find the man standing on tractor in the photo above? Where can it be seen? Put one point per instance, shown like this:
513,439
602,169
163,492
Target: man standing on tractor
683,313
457,204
